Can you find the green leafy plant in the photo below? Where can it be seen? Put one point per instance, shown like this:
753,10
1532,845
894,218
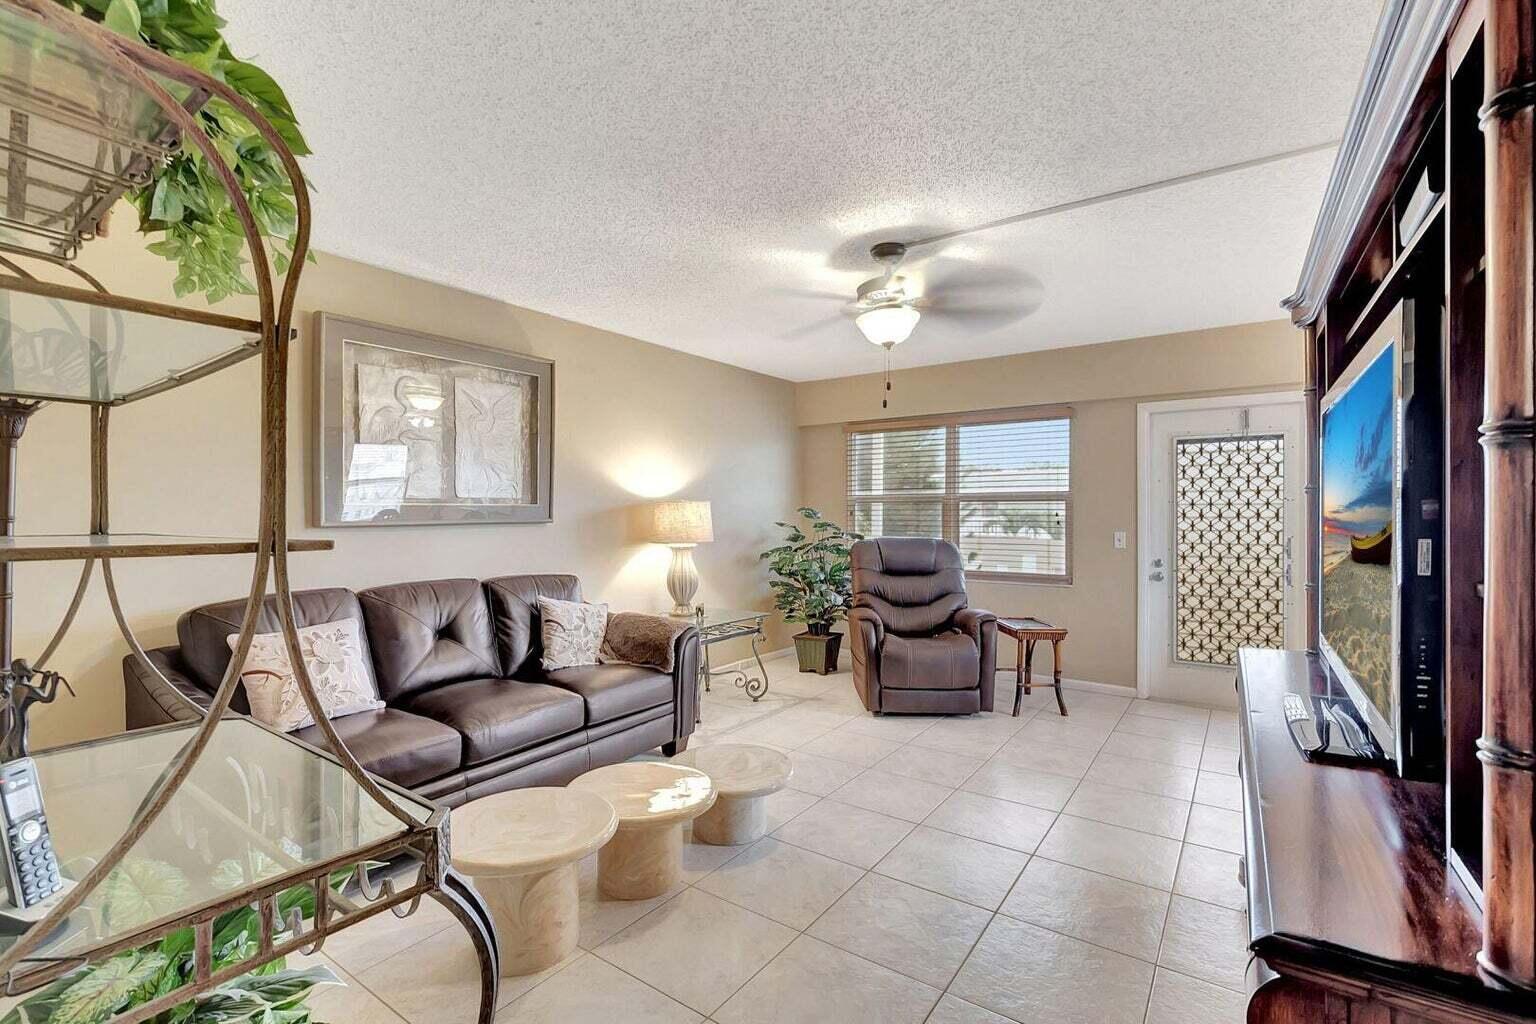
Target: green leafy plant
812,578
185,200
270,994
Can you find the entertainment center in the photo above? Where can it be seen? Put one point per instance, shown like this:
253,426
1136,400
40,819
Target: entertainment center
1389,769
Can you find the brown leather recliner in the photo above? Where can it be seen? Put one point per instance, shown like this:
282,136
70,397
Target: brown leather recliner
917,647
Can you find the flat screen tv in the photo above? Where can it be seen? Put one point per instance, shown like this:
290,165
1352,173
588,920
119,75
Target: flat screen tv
1359,600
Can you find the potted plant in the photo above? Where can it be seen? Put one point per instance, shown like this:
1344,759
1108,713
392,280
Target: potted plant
142,890
812,581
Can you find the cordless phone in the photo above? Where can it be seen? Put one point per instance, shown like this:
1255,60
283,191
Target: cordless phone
31,869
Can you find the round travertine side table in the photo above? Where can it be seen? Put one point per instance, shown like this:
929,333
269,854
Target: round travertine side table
521,848
654,799
744,774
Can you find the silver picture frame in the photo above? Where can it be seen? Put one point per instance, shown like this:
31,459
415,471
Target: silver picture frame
417,430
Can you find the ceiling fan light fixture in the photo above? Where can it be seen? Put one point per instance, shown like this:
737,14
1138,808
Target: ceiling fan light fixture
887,325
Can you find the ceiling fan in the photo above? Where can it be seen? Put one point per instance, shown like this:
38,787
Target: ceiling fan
887,309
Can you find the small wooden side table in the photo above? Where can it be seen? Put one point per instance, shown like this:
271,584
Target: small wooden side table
1029,632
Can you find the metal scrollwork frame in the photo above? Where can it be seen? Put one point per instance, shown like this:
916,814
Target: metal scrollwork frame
426,841
756,686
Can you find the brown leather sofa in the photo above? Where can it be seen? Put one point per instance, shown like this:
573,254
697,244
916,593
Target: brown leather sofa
470,710
917,646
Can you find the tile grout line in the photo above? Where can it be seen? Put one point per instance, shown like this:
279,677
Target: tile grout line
1056,815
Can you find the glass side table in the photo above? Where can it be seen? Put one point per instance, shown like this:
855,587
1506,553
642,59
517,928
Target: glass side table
260,813
717,626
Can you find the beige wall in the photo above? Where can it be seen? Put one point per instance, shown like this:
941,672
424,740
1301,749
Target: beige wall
633,421
1103,384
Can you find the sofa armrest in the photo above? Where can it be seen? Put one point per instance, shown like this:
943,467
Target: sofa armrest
982,627
685,680
171,696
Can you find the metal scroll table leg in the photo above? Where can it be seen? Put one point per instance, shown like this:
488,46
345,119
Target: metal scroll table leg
465,904
756,688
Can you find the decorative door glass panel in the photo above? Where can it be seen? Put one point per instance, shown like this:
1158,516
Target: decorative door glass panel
1229,547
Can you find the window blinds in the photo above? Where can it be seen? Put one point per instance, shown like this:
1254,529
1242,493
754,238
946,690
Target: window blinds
998,490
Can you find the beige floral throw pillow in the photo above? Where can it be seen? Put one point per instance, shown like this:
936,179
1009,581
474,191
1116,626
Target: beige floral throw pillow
572,632
333,653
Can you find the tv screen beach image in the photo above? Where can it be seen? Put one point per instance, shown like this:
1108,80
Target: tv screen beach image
1357,529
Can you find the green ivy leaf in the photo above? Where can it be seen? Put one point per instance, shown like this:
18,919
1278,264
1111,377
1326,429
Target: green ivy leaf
122,17
165,204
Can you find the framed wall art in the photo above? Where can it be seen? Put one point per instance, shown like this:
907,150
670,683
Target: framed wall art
414,429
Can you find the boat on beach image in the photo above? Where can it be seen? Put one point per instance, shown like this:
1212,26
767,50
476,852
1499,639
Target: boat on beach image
1375,549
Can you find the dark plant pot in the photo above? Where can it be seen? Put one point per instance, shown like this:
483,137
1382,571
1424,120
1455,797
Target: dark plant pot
818,653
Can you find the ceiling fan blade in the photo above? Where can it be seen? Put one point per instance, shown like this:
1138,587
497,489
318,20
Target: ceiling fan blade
962,281
804,330
978,319
810,293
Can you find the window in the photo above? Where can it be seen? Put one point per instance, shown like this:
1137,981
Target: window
998,487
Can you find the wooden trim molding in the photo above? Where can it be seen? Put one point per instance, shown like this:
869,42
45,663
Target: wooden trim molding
1408,39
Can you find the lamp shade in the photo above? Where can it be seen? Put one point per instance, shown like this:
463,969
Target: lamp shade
681,522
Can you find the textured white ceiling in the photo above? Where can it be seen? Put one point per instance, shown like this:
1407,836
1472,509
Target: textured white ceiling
678,171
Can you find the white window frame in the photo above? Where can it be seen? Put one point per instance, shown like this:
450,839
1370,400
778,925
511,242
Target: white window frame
952,497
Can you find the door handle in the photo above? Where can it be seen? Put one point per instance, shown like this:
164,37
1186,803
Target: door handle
1155,577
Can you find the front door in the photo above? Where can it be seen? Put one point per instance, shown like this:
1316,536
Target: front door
1220,541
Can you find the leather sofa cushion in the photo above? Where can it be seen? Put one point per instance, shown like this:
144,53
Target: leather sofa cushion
949,661
426,633
514,602
202,631
614,690
497,717
406,749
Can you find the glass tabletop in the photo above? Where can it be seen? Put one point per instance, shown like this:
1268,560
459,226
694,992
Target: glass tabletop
256,805
1025,624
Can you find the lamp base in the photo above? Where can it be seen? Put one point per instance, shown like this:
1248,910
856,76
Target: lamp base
682,581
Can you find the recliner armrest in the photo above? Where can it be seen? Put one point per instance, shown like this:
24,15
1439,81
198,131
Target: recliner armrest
865,624
974,621
982,627
866,633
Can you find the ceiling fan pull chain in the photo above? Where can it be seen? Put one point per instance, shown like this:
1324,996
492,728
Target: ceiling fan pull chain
884,399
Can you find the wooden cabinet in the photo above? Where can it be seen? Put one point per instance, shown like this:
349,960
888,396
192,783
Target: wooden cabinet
1446,102
1354,915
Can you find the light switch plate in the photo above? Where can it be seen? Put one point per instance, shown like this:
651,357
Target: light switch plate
1120,540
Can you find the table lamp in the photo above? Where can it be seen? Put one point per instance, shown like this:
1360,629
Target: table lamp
680,525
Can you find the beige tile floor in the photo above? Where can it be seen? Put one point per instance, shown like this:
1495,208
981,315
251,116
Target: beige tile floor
974,870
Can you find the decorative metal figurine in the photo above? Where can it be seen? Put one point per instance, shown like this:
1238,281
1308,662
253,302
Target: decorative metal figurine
21,686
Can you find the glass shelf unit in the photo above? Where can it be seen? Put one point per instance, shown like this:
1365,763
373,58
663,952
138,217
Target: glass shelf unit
64,344
81,133
71,547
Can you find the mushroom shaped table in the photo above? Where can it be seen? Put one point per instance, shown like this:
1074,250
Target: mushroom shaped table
521,848
654,800
744,774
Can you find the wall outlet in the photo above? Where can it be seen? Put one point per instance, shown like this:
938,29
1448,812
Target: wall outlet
1120,540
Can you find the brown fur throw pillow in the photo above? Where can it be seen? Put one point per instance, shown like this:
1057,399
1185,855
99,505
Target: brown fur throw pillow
642,639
